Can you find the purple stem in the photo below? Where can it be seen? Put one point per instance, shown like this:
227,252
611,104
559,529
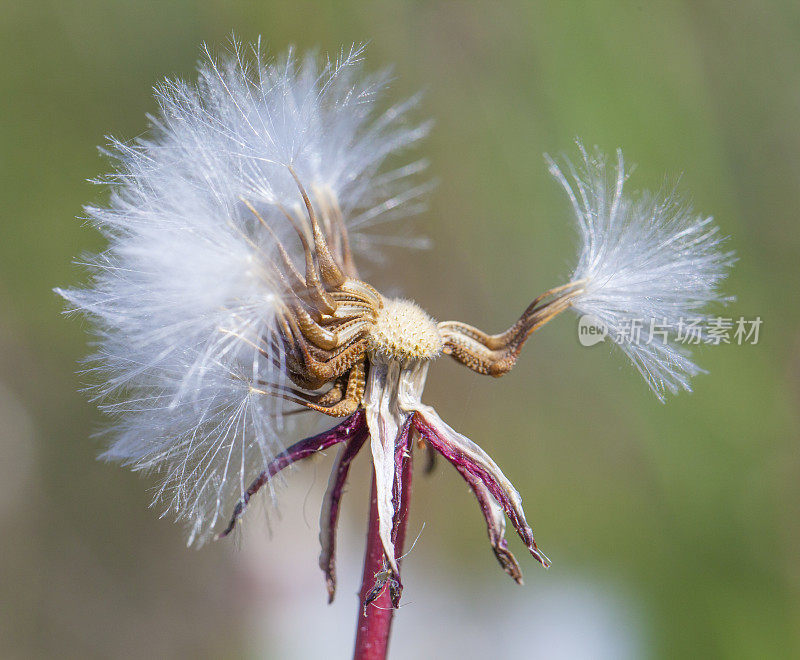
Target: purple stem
376,604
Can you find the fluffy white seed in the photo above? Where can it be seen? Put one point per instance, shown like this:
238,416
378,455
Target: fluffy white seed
650,263
181,300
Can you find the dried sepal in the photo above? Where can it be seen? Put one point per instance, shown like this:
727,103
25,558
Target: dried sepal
385,424
495,522
329,517
297,452
460,450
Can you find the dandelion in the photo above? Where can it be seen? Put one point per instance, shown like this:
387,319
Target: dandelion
229,298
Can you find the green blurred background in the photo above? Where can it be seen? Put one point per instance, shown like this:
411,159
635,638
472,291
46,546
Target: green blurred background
674,529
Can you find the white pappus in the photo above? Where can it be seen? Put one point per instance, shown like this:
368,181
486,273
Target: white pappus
179,299
648,262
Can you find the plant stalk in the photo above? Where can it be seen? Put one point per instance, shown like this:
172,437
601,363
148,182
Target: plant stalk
375,623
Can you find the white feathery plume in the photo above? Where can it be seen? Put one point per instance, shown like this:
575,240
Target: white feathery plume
645,259
180,299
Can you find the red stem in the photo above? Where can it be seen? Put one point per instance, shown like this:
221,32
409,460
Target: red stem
372,633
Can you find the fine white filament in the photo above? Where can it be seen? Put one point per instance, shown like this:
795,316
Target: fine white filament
181,299
650,264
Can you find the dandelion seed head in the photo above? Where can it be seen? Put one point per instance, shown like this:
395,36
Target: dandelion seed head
181,301
228,288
